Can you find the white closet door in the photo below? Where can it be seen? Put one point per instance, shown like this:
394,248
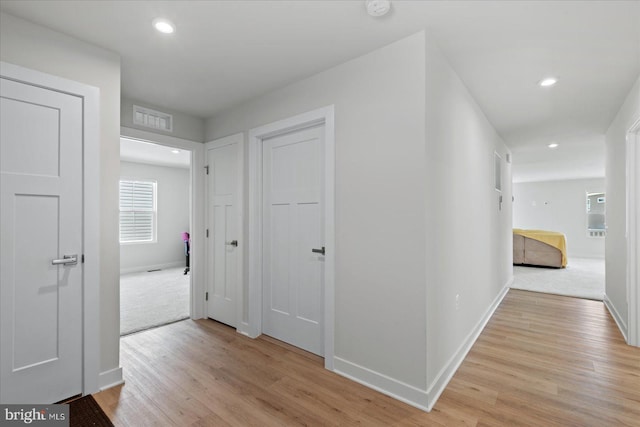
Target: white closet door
293,221
223,224
41,221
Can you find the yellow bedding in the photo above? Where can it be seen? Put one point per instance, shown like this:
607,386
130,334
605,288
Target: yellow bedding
551,238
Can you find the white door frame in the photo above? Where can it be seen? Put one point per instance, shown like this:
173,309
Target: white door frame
91,209
242,325
323,116
196,218
633,234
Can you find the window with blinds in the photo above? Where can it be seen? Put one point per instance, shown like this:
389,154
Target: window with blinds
137,211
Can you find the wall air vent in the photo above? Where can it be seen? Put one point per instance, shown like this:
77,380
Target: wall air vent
152,119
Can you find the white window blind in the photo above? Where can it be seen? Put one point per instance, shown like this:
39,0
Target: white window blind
137,211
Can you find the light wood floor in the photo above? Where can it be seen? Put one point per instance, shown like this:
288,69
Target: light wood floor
542,360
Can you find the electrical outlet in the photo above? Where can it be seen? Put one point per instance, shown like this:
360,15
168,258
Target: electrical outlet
458,302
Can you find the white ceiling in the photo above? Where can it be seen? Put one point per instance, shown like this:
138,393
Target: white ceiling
132,150
225,52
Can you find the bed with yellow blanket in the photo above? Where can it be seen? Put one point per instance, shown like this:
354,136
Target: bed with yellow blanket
539,247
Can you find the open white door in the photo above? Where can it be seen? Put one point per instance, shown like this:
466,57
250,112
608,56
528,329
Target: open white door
224,224
41,293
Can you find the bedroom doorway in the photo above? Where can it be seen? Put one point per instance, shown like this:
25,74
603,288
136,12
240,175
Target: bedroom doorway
155,216
567,256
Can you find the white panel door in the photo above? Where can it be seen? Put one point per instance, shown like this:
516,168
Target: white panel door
41,222
293,226
222,223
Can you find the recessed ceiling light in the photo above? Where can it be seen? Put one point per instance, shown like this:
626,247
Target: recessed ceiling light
549,81
175,151
163,25
553,145
378,8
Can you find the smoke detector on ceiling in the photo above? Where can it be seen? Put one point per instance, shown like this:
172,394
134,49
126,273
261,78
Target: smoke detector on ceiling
378,8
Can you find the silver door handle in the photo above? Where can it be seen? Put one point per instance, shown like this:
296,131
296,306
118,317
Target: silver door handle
232,243
67,259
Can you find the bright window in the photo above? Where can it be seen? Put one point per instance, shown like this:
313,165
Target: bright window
596,210
137,211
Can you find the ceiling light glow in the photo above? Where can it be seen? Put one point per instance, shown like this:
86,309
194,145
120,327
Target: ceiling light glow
175,151
553,145
163,25
549,81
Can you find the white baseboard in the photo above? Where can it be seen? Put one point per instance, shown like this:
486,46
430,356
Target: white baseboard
622,325
386,385
421,399
110,378
243,328
142,268
454,362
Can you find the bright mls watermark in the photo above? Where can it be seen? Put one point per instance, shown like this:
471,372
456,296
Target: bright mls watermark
36,415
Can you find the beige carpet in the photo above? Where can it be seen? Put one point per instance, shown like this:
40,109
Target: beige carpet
151,299
583,278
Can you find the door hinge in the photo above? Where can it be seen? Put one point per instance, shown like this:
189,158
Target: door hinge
207,232
206,296
82,259
206,169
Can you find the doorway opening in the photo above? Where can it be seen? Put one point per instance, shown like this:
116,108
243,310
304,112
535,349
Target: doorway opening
559,239
155,229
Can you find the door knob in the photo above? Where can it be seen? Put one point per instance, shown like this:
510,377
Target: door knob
318,251
66,259
233,243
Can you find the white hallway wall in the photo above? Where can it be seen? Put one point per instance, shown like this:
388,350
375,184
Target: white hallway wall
32,46
383,272
388,176
173,218
468,233
616,186
559,206
380,216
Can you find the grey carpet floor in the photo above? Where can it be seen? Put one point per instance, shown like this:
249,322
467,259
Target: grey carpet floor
583,278
151,299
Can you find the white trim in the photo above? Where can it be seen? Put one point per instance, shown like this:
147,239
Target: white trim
110,378
616,316
91,209
320,116
399,390
414,396
633,234
238,140
446,373
196,220
143,268
254,258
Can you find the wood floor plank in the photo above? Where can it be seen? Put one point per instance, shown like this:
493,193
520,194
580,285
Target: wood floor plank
542,360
